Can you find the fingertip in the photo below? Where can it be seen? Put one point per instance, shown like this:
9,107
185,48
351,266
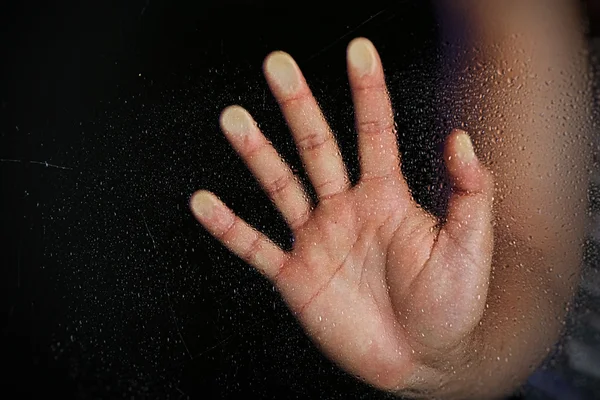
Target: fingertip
275,57
230,109
358,42
282,71
202,204
235,120
462,146
362,56
462,163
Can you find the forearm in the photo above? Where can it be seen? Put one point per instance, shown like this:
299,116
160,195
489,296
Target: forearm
518,84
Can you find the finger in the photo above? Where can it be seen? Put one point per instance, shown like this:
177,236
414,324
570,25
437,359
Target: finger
469,178
378,149
314,139
251,246
450,292
468,227
272,172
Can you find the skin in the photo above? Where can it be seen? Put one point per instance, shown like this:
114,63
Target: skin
518,80
407,303
381,287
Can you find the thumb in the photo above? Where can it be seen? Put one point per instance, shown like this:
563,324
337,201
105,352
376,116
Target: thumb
467,174
469,219
459,267
470,203
449,294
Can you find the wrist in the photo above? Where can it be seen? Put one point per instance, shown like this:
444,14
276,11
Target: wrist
449,374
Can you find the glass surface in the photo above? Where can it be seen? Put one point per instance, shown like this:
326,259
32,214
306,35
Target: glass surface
109,122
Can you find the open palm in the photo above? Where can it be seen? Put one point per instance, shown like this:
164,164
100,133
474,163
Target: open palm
383,288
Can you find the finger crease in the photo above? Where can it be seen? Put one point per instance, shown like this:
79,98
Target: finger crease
300,221
228,231
375,127
252,249
250,153
377,87
384,176
303,95
278,185
313,141
279,269
329,196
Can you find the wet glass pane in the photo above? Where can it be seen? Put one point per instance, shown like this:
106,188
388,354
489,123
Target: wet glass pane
109,123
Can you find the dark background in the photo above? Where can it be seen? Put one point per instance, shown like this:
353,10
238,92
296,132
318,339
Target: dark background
108,123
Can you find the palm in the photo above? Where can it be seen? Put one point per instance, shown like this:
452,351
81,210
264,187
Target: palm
339,287
377,282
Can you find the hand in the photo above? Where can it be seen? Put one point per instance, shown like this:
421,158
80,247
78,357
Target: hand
387,291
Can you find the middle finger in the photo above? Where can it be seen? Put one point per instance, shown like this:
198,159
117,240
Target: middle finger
314,139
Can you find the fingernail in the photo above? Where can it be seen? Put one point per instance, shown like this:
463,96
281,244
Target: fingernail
464,148
236,121
203,204
361,55
282,68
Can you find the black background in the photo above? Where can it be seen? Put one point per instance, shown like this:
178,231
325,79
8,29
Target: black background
109,122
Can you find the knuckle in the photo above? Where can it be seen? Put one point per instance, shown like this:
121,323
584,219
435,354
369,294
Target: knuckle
300,221
252,250
229,233
292,100
278,185
327,189
371,88
313,141
374,127
255,150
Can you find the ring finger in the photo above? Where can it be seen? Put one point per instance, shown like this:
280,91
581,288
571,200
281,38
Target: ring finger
262,159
